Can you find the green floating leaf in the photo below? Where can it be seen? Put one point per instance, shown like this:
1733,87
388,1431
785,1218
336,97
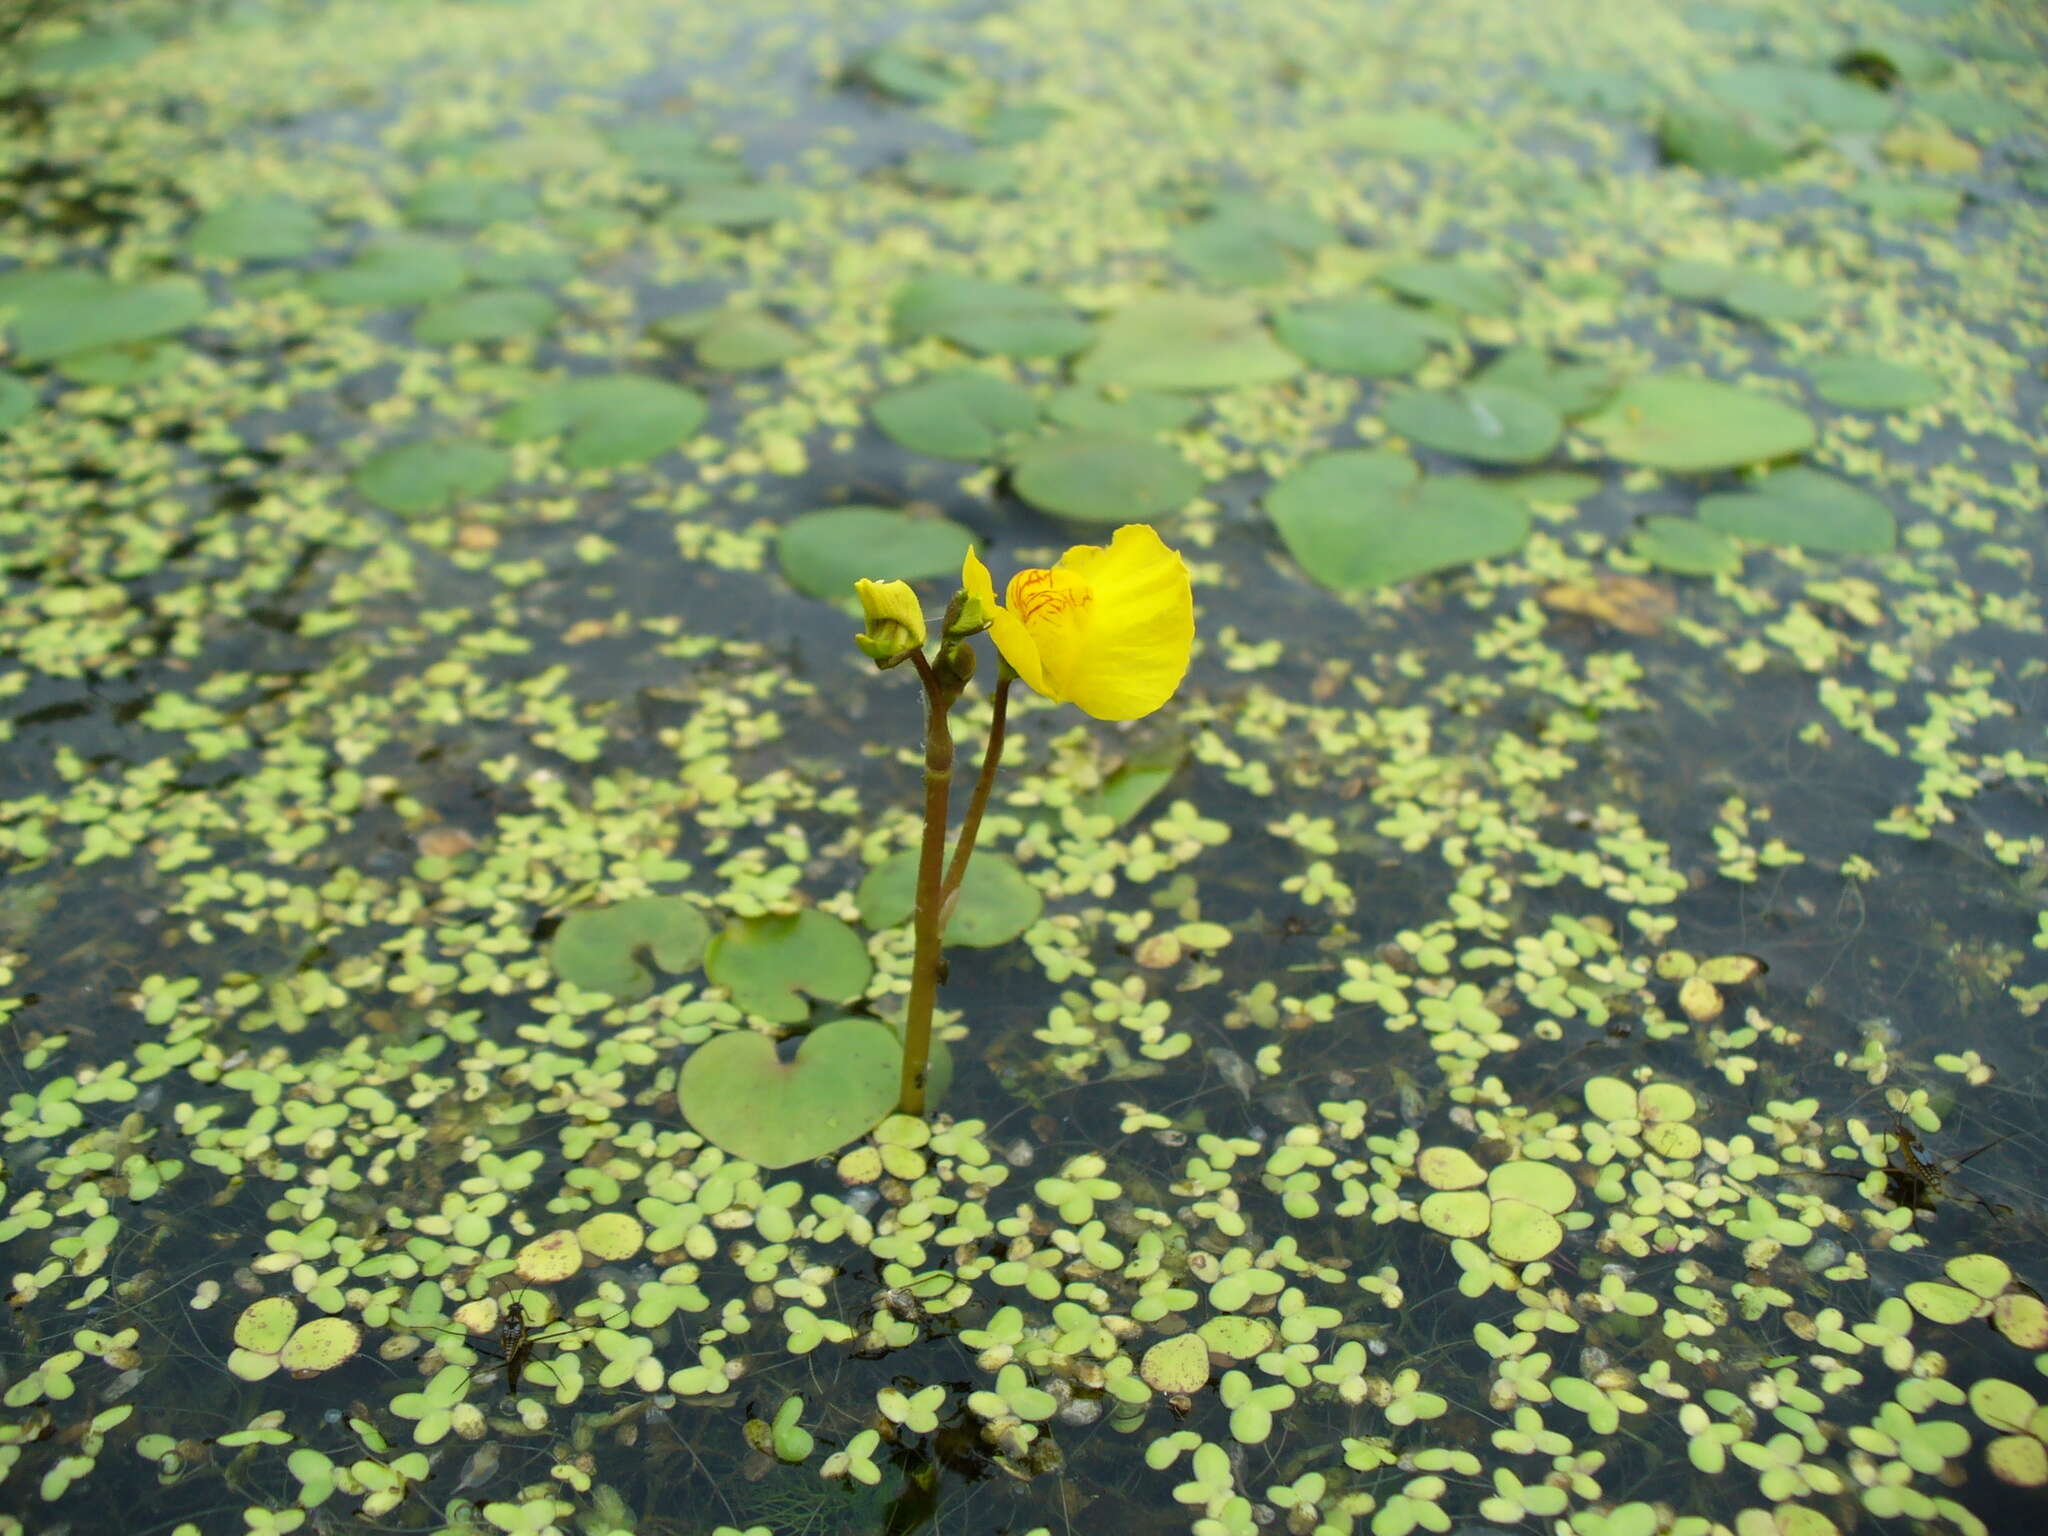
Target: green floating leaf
1909,200
488,314
906,75
1101,478
1413,131
1794,96
1450,283
1723,143
601,949
121,367
1860,382
971,173
670,153
529,264
1367,336
824,553
415,479
104,48
995,905
1670,421
1127,415
257,228
1185,342
1807,509
739,341
1599,90
609,421
1242,242
742,1097
1362,519
735,205
1756,295
1572,389
1135,782
467,202
764,962
61,311
960,415
1685,547
1003,319
17,400
1980,114
1559,488
400,270
1016,124
1491,423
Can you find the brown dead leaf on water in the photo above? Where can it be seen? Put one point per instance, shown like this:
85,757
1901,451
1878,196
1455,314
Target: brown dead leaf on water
1627,603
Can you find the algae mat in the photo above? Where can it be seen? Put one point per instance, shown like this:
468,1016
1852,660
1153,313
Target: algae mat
1542,1034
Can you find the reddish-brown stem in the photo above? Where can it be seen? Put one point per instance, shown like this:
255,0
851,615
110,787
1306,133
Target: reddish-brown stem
925,923
991,759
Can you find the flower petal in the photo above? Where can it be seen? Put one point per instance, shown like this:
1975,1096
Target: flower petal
1140,630
1012,639
1054,608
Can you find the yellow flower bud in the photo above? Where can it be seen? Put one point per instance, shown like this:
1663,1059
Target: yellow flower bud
895,620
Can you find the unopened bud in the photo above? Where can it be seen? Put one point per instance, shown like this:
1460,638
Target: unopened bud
895,621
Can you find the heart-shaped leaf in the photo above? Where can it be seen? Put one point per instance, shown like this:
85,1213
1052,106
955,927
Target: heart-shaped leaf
425,476
1491,423
608,421
741,1096
986,316
995,905
1179,341
1359,519
823,553
1670,421
1098,477
599,948
960,415
1805,508
766,961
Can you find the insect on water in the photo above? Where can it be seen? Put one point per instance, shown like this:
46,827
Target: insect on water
518,1332
1912,1181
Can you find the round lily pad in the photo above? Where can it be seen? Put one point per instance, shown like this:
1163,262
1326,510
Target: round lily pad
1685,547
2022,1318
1669,421
1859,382
1491,423
1752,294
398,270
823,553
970,173
134,362
1137,414
1543,1185
611,1237
1981,1274
1363,335
673,153
1522,1233
1361,519
1097,477
1724,143
765,962
1448,1168
1806,509
1002,319
1185,342
1452,284
64,311
734,205
1666,1102
320,1345
600,949
257,228
961,415
608,421
1572,389
743,340
906,74
425,477
524,264
1610,1099
1234,1337
1942,1303
1674,1140
1795,96
17,399
2018,1459
995,904
550,1258
1179,1364
264,1325
1457,1213
740,1095
466,202
487,314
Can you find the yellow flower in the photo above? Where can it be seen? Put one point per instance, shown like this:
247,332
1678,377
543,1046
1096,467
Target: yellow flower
1107,629
895,619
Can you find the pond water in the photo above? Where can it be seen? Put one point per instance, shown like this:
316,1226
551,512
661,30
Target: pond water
1542,1032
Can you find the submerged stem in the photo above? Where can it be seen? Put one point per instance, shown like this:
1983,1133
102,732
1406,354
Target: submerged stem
925,923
